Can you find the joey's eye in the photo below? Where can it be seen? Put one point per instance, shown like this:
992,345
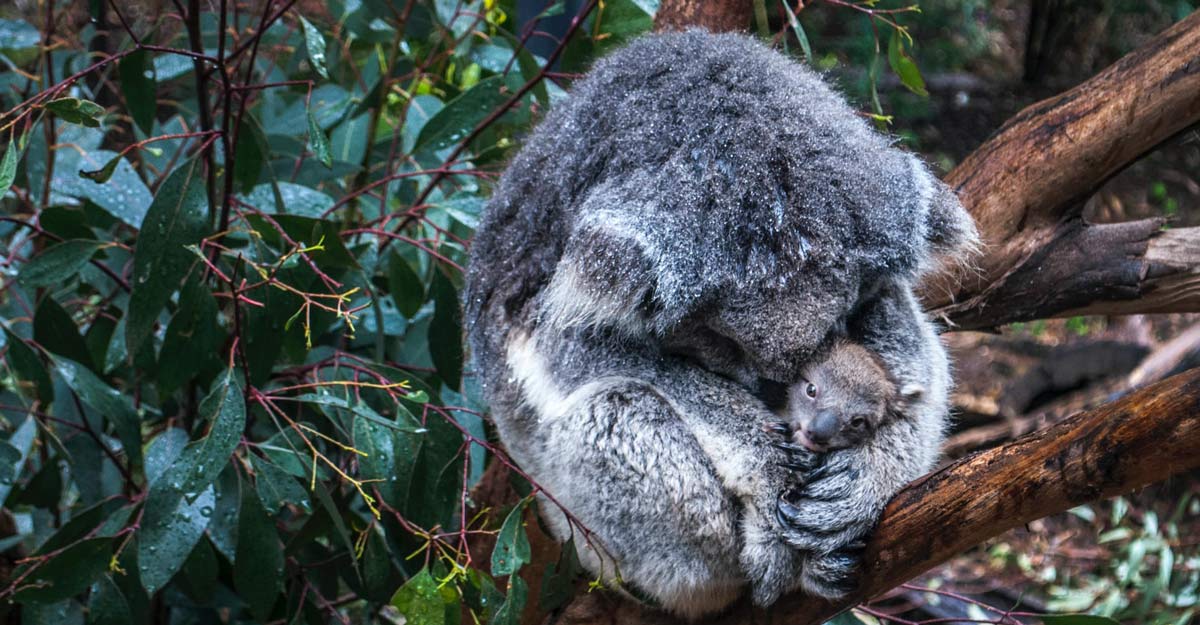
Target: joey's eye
811,390
858,422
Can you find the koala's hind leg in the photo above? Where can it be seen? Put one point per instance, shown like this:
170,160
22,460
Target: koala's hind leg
619,457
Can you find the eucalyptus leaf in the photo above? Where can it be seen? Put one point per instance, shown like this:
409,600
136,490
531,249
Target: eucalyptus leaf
58,263
137,84
177,218
314,45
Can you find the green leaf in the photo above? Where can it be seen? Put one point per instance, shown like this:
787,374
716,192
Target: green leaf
293,199
904,66
200,571
101,176
558,582
1077,619
76,111
136,78
106,400
451,125
20,440
388,458
8,167
35,381
18,35
420,601
66,574
405,285
314,45
512,545
162,452
124,196
56,264
107,605
801,36
193,339
258,576
276,488
177,218
182,500
10,459
170,527
510,612
445,331
202,461
249,154
318,142
55,330
223,527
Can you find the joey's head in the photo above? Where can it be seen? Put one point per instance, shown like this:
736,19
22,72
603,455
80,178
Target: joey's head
844,397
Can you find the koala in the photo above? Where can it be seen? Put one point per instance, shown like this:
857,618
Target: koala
699,213
841,399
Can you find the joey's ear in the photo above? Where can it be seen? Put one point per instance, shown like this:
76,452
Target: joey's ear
950,229
602,280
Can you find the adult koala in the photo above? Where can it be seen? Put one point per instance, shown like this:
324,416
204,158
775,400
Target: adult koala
699,213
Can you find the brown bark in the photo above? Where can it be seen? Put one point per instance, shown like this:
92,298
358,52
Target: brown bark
1026,186
714,15
1142,438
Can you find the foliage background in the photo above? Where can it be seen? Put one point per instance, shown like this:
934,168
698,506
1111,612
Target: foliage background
233,236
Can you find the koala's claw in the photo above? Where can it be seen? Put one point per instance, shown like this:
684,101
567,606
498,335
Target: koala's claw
789,447
785,512
778,427
835,574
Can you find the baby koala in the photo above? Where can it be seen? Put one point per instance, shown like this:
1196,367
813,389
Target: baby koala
844,396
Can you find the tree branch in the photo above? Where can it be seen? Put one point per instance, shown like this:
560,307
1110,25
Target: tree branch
1026,187
1143,438
714,15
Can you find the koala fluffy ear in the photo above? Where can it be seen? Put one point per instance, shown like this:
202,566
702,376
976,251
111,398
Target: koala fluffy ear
950,229
602,280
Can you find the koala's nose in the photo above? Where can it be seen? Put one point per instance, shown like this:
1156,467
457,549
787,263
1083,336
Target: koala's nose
823,428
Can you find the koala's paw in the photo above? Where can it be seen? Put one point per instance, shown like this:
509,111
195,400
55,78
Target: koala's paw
833,575
771,566
832,512
795,457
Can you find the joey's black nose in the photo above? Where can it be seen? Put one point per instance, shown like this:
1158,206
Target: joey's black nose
823,427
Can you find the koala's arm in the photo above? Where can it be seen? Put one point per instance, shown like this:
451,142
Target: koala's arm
832,514
754,466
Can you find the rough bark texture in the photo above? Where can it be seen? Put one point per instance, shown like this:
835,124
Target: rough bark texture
1142,438
714,15
1026,186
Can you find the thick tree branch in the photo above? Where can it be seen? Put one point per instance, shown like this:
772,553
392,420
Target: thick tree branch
714,15
1026,186
1143,438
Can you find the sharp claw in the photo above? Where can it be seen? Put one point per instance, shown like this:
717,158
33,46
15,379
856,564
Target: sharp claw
778,427
790,447
785,512
817,472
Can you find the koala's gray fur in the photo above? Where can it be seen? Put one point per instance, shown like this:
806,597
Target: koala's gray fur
699,213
